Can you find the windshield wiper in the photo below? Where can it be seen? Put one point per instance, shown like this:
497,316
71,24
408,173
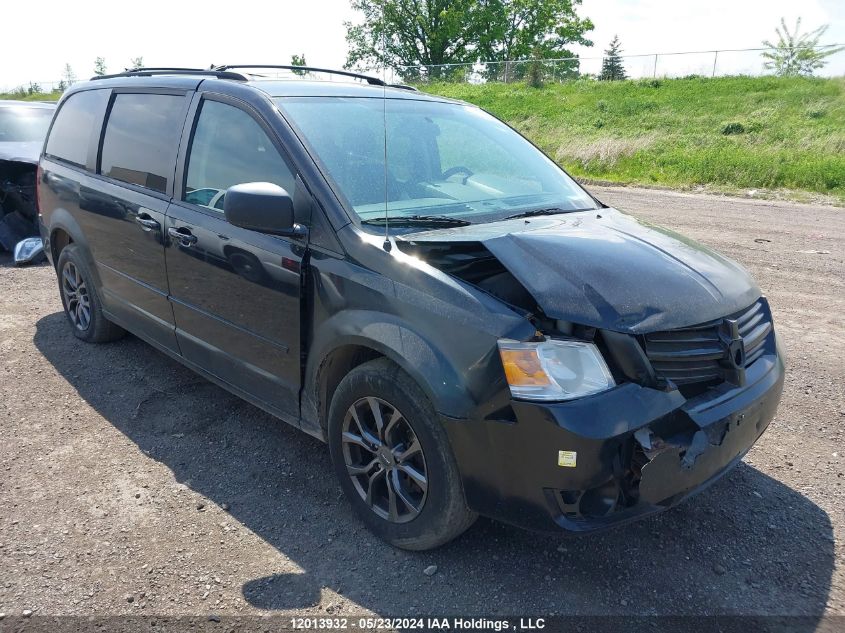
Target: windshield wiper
419,220
528,214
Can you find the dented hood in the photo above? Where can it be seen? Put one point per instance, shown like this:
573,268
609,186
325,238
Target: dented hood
608,270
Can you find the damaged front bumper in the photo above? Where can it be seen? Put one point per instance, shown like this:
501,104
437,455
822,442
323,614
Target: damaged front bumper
613,457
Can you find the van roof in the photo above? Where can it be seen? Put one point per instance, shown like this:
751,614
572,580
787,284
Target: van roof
309,88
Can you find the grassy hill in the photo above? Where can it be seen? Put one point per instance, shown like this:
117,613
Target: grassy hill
728,134
38,96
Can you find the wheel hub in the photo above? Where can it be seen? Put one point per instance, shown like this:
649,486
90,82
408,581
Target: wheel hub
75,292
384,459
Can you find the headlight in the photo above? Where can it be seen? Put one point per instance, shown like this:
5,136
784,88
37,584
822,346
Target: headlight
553,369
28,250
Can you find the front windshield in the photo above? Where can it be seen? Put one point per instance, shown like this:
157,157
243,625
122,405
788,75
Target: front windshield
23,124
443,159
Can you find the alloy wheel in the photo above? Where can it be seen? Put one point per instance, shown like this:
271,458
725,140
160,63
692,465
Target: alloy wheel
77,299
385,460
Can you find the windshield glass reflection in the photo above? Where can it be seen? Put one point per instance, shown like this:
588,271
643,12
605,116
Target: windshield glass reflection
443,159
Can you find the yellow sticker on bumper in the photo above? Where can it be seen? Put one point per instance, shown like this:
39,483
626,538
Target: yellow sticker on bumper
567,459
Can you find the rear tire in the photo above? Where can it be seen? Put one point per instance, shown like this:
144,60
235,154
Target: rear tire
80,300
406,486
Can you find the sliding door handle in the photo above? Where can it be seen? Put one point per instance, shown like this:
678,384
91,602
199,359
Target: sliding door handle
147,223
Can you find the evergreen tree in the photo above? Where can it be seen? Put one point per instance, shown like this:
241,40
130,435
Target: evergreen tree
612,67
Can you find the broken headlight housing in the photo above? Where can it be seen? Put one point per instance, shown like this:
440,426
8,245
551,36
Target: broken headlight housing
554,369
29,251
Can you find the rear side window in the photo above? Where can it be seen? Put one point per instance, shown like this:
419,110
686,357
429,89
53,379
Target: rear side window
230,148
141,138
70,137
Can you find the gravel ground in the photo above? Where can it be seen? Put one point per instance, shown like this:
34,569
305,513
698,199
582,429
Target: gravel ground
130,485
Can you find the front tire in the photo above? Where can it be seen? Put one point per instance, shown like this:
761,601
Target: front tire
393,458
80,300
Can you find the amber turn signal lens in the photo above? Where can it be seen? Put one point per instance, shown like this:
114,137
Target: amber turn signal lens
523,369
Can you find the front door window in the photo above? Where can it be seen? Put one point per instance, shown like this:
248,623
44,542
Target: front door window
230,148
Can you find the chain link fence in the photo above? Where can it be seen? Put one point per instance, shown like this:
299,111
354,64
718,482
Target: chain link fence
32,87
715,63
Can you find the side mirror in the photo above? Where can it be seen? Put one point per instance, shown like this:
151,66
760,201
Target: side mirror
262,207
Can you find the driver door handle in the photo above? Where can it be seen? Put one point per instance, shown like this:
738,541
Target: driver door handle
182,235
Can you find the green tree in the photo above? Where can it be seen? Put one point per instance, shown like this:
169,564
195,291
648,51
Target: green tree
100,66
508,30
136,62
796,53
396,33
68,76
298,60
434,33
612,67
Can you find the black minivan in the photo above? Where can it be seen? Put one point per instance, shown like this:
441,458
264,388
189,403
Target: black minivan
410,280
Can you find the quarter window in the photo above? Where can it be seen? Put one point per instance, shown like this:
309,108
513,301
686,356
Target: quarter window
70,136
230,148
141,137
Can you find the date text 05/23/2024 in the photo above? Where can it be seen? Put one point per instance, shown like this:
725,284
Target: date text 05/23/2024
423,623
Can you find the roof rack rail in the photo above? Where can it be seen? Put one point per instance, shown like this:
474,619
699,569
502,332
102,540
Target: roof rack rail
374,81
404,87
227,72
151,71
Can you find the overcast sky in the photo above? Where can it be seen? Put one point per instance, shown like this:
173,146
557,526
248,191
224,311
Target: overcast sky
39,38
